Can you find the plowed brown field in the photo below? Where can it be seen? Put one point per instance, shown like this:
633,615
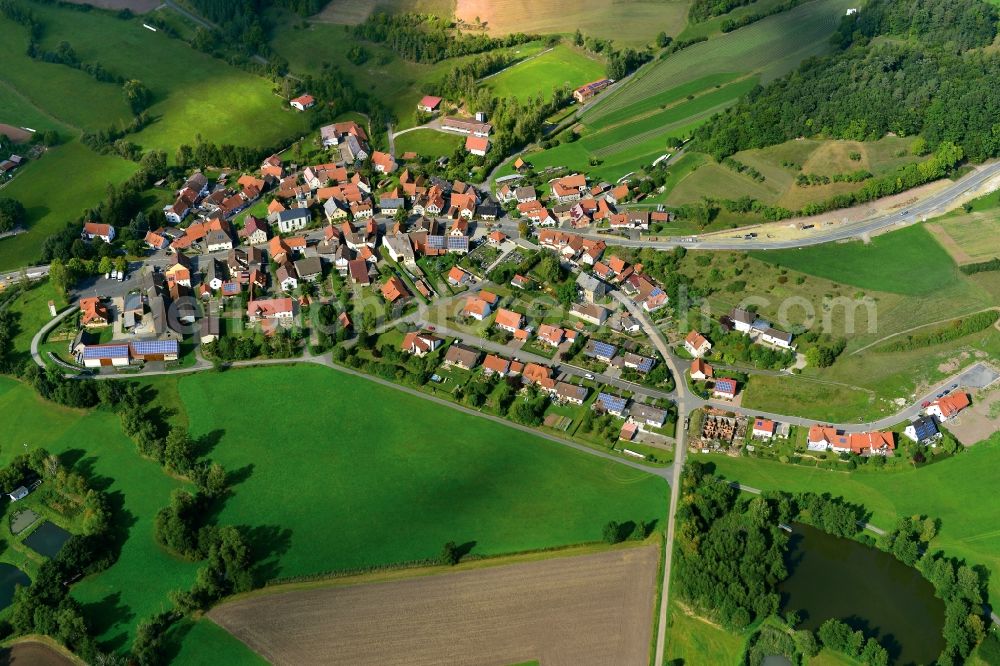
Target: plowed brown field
589,609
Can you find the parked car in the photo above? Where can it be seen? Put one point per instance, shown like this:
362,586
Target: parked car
925,403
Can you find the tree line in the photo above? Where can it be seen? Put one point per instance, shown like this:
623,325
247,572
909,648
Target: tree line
428,39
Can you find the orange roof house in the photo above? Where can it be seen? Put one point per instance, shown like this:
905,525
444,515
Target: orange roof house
93,312
508,320
394,290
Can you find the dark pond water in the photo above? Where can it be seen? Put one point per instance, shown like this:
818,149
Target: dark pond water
870,590
9,577
47,539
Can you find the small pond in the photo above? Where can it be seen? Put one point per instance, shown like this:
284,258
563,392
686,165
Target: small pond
9,577
47,539
868,589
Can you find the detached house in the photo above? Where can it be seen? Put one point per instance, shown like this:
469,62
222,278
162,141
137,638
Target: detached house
763,428
281,309
303,102
948,406
420,343
92,230
383,162
724,389
508,320
93,313
696,344
461,357
254,231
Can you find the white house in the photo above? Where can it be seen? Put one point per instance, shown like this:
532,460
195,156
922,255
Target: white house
763,428
92,230
696,344
303,102
291,220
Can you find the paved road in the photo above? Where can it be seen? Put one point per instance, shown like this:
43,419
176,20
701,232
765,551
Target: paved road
680,451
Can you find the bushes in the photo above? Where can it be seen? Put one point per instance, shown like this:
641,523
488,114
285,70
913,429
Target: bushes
953,331
981,267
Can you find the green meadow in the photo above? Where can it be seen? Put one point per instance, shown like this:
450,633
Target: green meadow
562,66
907,261
57,188
338,473
194,93
956,490
428,143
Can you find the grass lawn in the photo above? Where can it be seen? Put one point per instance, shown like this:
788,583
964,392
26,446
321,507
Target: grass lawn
33,310
562,66
17,110
52,199
429,143
194,93
969,238
137,584
811,399
907,261
381,483
952,490
204,643
692,640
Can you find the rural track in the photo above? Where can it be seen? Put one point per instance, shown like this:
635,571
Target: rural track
933,323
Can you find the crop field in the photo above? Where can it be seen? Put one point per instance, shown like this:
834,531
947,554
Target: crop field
386,479
635,22
562,66
587,609
907,261
969,238
771,47
428,143
951,490
51,199
35,653
193,92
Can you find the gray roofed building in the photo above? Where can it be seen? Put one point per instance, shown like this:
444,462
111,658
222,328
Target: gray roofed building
461,356
591,287
309,269
291,219
647,414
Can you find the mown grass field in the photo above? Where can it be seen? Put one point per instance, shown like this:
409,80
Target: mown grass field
193,92
907,261
392,478
55,189
635,23
954,490
428,143
17,110
203,643
563,66
692,640
971,236
137,585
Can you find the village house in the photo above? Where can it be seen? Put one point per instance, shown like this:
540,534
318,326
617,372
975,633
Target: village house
696,344
586,92
948,406
533,373
591,288
92,230
477,145
394,290
565,392
466,126
923,430
458,277
429,104
508,320
383,162
286,276
303,102
611,404
520,282
255,230
550,335
359,272
724,389
309,269
277,309
495,365
477,308
420,343
589,312
568,188
641,364
602,351
93,313
156,240
647,415
823,438
460,356
701,370
391,205
763,428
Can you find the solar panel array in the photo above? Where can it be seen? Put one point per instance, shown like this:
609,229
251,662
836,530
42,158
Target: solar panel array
105,351
645,365
612,403
435,242
458,243
602,349
152,347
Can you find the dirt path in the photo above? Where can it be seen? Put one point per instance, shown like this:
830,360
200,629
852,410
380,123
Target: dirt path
996,325
588,609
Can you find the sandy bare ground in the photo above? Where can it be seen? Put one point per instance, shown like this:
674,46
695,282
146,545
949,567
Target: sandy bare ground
589,609
137,6
33,653
15,134
974,424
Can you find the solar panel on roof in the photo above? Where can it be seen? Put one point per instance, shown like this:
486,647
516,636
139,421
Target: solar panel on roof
105,351
645,365
147,347
603,349
612,403
457,242
435,242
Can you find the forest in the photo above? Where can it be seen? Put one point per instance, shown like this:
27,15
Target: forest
931,80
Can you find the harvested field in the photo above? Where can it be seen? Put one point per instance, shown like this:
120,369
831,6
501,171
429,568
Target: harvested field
33,653
635,22
137,6
590,609
15,134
